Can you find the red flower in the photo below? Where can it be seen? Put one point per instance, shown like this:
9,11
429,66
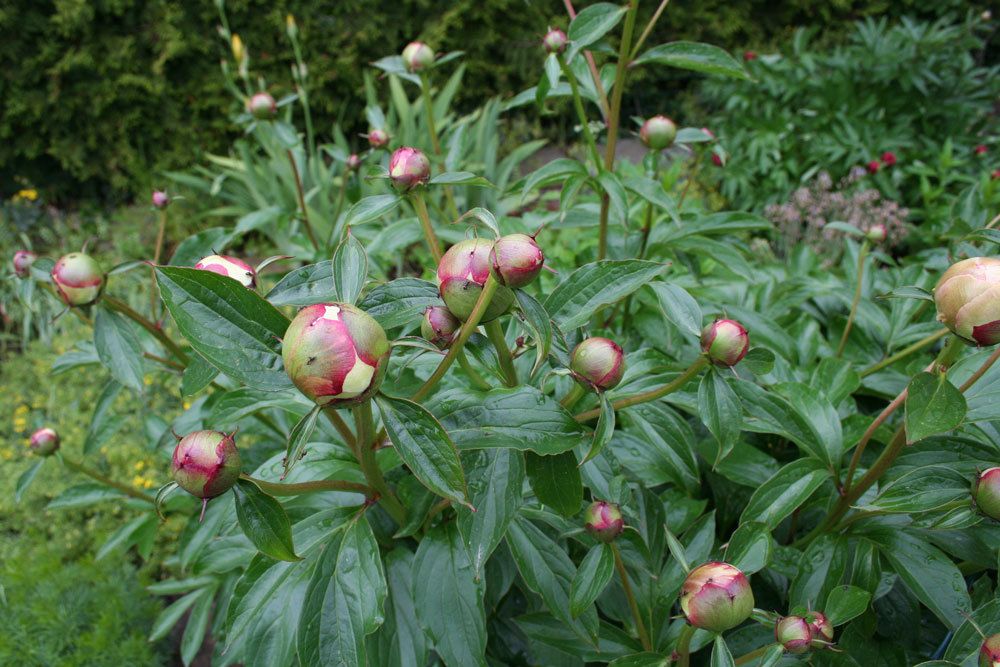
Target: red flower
980,149
716,160
888,158
749,55
873,166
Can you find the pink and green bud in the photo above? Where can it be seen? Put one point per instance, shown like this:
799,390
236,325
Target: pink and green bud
516,260
598,362
409,167
877,233
378,138
821,629
44,442
160,199
555,41
335,353
439,326
794,634
262,106
206,464
78,279
658,132
231,267
603,521
462,273
989,652
725,342
353,162
986,493
417,56
23,259
968,300
716,597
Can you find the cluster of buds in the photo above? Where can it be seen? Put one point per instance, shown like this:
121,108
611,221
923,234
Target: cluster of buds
417,56
23,259
262,106
377,138
44,442
877,233
603,521
968,300
555,41
336,354
725,342
716,597
598,363
353,162
78,279
408,168
462,273
986,493
658,132
160,199
231,267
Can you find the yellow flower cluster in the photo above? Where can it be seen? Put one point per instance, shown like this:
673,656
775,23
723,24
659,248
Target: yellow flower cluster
21,418
143,482
27,194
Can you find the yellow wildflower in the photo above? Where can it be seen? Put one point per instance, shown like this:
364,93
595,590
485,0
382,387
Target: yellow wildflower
28,194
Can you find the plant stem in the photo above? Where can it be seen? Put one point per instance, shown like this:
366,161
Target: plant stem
581,113
905,352
317,486
365,424
417,198
123,308
345,177
169,363
575,393
128,490
342,428
302,200
495,333
683,649
425,90
752,655
653,394
476,378
649,28
154,294
862,255
598,84
485,297
640,627
981,370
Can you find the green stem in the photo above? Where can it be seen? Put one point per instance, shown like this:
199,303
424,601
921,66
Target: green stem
476,378
581,113
683,649
862,255
575,393
640,627
316,486
154,294
342,428
752,655
598,85
905,352
128,490
340,205
653,394
425,90
365,424
417,198
981,370
485,297
124,309
302,200
649,28
495,333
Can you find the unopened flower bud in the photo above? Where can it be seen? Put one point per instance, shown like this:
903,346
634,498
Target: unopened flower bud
291,27
989,652
206,464
986,492
160,199
44,442
236,44
23,259
968,300
516,260
873,166
889,158
230,267
462,273
377,138
417,56
717,160
409,167
725,342
353,162
335,353
262,106
749,56
793,633
78,279
598,362
716,597
555,41
439,326
658,132
877,233
980,149
603,521
821,628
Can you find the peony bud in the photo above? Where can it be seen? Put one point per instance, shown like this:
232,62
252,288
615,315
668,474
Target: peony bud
603,521
206,464
968,300
44,442
23,259
598,362
378,138
417,56
717,161
989,652
230,267
462,273
78,279
889,158
516,260
658,132
409,167
725,342
980,149
995,175
821,628
262,106
160,199
353,162
749,56
986,493
873,166
555,41
335,353
439,326
876,233
793,633
716,597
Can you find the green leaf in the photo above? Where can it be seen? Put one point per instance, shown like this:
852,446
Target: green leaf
82,495
721,657
968,638
118,348
299,437
759,361
24,481
496,477
202,244
305,286
653,192
371,208
586,290
750,547
641,660
933,405
908,292
768,412
846,603
264,521
536,318
122,537
400,302
784,492
679,307
556,481
170,616
617,198
103,425
720,410
922,489
229,325
198,375
592,23
521,418
196,627
257,220
694,56
449,599
460,178
425,447
604,430
480,216
350,269
821,568
555,171
595,571
232,406
400,641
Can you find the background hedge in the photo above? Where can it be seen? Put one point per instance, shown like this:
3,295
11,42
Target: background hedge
101,95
